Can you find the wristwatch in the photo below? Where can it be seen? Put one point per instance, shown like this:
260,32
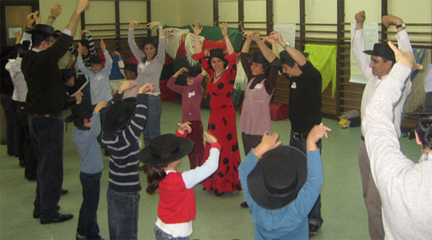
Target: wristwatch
402,25
51,17
287,44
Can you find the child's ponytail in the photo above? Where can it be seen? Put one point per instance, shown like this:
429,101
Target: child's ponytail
154,175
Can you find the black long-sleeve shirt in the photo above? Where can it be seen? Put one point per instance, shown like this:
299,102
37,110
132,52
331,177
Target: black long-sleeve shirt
45,86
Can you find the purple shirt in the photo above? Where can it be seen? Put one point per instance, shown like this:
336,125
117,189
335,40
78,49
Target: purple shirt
191,98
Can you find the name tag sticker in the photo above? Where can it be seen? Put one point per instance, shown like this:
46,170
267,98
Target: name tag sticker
294,85
191,94
258,86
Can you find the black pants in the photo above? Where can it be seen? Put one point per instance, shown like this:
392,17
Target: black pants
30,161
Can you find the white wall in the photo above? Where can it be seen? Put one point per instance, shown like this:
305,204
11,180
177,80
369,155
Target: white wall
184,12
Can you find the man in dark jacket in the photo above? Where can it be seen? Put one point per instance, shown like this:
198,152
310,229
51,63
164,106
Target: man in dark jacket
45,99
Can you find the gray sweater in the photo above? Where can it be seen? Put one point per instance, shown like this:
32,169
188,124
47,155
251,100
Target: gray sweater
405,187
148,71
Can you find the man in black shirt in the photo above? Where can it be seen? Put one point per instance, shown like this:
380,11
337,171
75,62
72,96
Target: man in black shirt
304,102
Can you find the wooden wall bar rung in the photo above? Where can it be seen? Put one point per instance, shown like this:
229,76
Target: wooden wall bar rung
101,24
255,28
318,24
318,31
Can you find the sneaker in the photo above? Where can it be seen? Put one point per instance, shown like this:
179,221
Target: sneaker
313,229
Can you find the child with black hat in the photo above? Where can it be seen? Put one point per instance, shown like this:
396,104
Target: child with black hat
281,185
124,123
191,108
85,135
74,85
176,208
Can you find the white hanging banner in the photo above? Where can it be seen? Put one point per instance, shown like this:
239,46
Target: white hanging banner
370,35
288,33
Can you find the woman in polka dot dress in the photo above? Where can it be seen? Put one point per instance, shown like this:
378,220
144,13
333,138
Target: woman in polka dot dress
222,120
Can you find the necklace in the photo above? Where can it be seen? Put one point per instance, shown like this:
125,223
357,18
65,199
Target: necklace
218,75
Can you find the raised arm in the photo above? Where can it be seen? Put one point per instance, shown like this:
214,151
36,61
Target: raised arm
55,12
151,25
273,44
171,82
195,176
80,62
360,17
131,41
267,52
402,35
73,22
247,43
197,31
294,53
317,132
224,29
89,37
358,46
108,59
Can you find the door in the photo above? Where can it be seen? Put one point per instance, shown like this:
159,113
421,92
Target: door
13,15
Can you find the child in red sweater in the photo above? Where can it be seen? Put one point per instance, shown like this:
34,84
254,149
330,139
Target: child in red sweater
176,208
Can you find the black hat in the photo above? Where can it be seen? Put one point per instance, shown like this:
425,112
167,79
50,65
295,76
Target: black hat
193,71
278,177
258,57
382,50
57,33
80,111
131,67
165,149
96,59
217,52
67,74
285,58
42,28
118,115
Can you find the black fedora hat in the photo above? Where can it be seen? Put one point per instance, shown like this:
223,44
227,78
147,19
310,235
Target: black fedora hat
42,28
381,50
258,57
165,149
67,74
216,52
80,111
95,59
285,58
118,115
278,177
193,71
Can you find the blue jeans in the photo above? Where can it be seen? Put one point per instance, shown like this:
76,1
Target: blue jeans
87,222
47,139
152,127
123,215
161,235
315,214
